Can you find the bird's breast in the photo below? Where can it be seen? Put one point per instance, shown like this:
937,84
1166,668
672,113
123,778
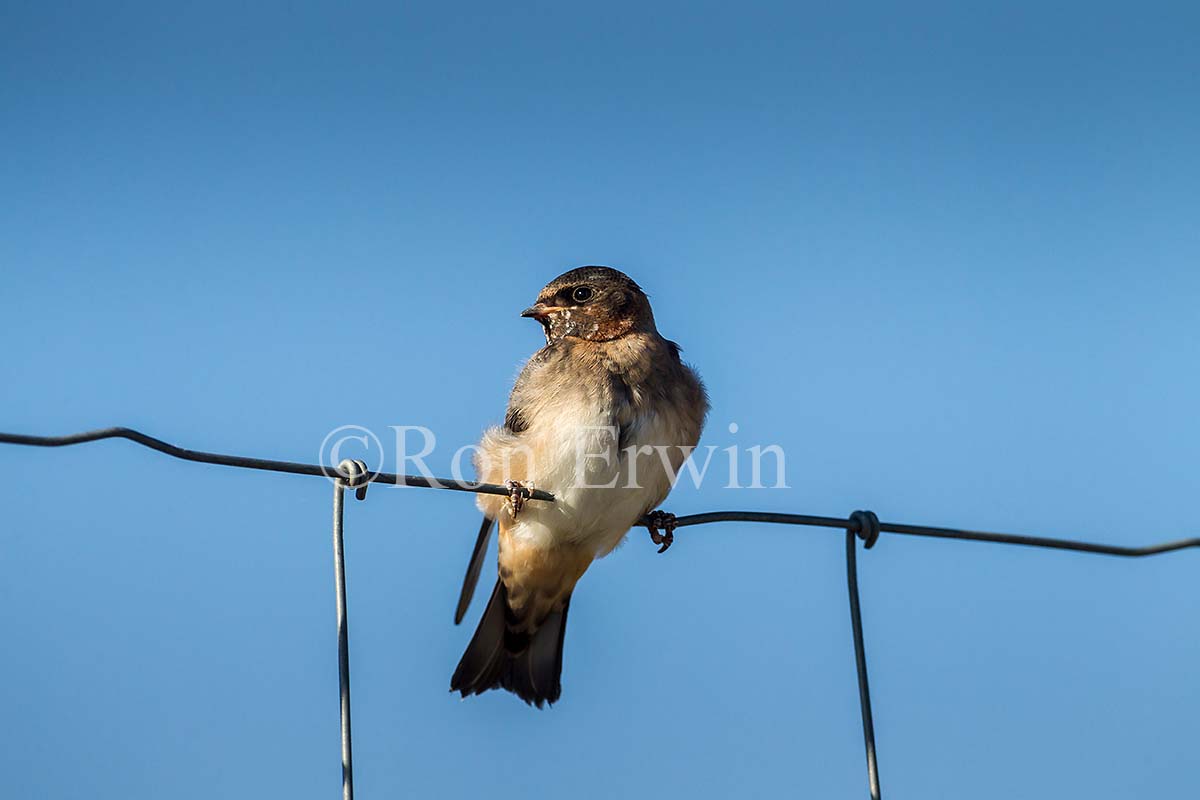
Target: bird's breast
604,472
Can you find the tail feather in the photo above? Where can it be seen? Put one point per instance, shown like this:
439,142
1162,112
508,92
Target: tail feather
499,658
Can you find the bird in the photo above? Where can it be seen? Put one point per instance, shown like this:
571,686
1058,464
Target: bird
602,417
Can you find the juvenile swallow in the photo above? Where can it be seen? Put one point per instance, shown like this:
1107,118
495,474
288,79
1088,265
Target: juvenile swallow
602,417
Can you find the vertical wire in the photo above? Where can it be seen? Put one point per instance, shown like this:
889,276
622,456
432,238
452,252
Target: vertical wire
860,660
339,576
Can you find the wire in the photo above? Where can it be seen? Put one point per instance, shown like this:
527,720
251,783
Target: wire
861,524
343,637
838,523
245,462
939,533
860,663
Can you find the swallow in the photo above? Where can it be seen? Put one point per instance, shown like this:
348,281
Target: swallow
603,418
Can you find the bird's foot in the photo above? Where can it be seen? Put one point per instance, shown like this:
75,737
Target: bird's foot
664,520
518,493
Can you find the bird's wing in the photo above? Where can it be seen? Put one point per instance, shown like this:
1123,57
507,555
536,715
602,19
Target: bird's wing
514,422
474,567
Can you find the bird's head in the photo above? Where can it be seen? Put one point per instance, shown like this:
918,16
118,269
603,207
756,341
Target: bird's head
594,303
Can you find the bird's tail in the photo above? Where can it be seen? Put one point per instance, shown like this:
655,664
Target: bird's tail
499,657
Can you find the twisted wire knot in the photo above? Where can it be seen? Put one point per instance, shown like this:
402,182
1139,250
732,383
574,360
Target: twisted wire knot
354,473
866,526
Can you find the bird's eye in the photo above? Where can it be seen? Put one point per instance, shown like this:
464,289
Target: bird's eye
581,294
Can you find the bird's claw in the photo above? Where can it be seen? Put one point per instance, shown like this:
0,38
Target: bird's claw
518,493
666,521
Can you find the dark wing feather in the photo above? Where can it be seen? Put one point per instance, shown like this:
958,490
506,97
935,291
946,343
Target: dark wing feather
474,567
514,422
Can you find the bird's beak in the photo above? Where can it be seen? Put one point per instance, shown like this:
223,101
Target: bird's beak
538,311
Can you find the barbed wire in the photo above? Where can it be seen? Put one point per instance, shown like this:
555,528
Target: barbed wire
354,474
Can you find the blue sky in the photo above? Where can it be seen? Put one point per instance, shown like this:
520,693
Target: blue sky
943,254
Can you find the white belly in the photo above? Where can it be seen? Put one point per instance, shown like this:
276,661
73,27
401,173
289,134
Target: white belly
600,491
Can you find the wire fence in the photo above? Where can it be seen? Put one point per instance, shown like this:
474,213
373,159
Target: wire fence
350,474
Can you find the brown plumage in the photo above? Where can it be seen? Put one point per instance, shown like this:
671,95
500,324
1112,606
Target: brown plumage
603,417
